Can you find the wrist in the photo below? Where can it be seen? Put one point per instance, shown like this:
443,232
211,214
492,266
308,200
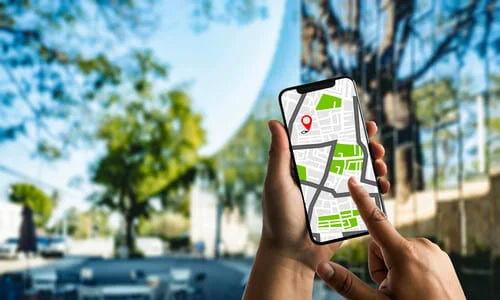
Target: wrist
275,275
286,260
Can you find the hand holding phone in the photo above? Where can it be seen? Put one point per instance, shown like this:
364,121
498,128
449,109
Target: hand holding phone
284,229
329,143
287,258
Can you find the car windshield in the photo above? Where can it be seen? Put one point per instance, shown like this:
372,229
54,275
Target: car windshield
11,241
56,240
42,240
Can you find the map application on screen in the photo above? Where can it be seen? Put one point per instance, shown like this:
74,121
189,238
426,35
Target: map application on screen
329,145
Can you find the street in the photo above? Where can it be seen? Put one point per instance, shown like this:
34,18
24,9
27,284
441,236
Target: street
222,281
225,278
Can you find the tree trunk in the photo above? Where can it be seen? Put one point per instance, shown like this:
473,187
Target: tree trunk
129,234
402,142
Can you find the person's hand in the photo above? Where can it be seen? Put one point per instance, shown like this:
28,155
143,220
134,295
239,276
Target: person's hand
403,268
286,259
284,229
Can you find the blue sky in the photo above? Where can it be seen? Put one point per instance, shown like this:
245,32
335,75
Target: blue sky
223,68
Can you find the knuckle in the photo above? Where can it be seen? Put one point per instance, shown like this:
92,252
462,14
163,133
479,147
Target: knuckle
376,215
345,285
429,244
424,241
408,247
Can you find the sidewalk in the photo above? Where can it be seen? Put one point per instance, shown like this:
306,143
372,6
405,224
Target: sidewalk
22,263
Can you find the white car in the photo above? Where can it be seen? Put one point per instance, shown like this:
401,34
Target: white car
56,246
8,249
150,246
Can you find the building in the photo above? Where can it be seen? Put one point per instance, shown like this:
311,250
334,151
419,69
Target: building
10,220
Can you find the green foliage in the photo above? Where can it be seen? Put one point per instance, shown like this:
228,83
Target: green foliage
57,59
431,98
354,253
242,12
48,151
51,77
81,225
149,147
151,142
164,225
242,163
35,198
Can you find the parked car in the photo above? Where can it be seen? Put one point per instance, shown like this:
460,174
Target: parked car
8,249
42,242
56,246
150,246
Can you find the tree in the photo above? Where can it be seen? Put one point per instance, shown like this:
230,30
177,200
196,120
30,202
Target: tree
242,163
151,142
84,224
493,120
48,74
164,225
242,12
56,58
339,41
35,198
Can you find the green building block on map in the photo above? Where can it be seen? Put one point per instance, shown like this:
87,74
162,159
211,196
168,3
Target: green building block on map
347,219
301,170
328,102
337,166
347,150
341,159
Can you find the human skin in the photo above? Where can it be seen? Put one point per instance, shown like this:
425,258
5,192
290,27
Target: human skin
286,259
403,268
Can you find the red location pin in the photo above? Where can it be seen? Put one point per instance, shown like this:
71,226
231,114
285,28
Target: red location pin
306,121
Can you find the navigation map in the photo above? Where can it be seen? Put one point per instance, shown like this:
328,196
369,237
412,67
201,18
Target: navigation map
329,145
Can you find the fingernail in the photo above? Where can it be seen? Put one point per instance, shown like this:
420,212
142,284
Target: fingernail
353,181
325,270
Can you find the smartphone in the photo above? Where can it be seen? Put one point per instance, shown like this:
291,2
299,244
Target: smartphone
329,144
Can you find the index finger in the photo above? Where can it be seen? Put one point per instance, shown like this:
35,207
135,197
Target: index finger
376,221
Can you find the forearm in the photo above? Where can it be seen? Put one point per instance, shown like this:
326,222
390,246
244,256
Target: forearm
276,276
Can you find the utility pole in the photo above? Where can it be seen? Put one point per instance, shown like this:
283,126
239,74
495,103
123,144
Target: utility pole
221,193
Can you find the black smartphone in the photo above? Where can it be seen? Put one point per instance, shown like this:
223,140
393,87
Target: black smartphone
329,144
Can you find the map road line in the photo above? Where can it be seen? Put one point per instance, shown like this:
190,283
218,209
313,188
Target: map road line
295,113
323,180
325,189
357,112
311,146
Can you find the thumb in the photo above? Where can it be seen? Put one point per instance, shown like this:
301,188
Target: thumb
279,153
346,283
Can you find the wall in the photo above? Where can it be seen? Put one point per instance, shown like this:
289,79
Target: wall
10,220
422,215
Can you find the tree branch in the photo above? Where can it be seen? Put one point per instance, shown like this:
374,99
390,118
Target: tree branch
24,96
25,33
389,29
406,13
446,45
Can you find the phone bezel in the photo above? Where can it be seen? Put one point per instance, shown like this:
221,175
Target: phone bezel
311,88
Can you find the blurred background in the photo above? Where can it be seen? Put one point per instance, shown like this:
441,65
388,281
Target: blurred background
134,141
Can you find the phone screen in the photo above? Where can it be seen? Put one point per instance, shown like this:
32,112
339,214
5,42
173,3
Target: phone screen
329,144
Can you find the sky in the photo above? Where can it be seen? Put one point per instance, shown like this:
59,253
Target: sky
223,68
